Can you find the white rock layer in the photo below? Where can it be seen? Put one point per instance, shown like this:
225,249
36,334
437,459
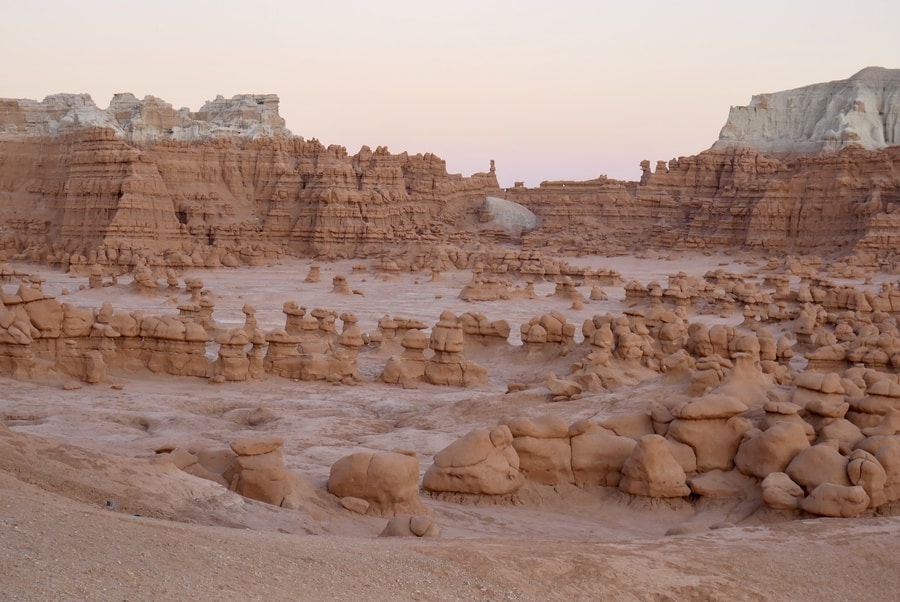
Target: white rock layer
147,120
864,110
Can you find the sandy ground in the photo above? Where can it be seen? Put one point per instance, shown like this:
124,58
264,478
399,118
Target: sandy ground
85,514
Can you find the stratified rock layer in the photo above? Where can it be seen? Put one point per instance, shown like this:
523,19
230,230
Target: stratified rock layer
142,178
808,170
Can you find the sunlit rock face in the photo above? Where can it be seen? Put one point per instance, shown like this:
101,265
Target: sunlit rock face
147,120
863,110
143,177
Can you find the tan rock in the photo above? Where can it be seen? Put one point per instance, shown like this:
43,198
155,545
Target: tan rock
819,464
887,451
714,441
865,470
839,501
255,447
482,462
780,492
718,484
598,455
764,452
389,481
652,471
355,504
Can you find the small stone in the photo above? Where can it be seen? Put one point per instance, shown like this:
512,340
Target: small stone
355,504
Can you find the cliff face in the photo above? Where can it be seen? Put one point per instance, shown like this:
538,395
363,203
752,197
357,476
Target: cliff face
863,110
731,198
816,169
143,177
229,184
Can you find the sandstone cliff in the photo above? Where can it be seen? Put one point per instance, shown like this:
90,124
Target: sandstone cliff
737,197
142,183
227,182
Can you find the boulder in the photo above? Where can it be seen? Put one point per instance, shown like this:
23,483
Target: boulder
389,481
481,462
715,441
821,463
764,452
839,501
652,471
406,525
598,455
780,492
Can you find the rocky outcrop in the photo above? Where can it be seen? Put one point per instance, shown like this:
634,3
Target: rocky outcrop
147,120
227,182
863,110
807,169
730,197
388,481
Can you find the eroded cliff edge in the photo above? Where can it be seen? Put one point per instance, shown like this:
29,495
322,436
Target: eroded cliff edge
230,184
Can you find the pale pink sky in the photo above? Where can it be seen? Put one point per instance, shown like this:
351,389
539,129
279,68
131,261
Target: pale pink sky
550,90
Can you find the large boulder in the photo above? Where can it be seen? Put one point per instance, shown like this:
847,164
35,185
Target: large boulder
819,464
765,452
481,462
652,471
865,470
389,481
715,441
598,454
780,492
839,501
886,451
542,444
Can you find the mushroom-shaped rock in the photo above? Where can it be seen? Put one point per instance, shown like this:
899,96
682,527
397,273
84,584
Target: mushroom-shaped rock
258,471
652,471
481,462
389,481
839,501
820,394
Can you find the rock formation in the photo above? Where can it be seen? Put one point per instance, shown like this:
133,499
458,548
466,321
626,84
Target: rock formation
388,481
482,463
863,110
807,169
258,470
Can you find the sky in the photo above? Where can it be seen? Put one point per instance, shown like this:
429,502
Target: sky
549,90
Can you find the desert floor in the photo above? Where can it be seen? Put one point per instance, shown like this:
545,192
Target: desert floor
85,513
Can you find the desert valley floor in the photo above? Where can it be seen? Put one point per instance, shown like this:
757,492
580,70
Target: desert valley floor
87,513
